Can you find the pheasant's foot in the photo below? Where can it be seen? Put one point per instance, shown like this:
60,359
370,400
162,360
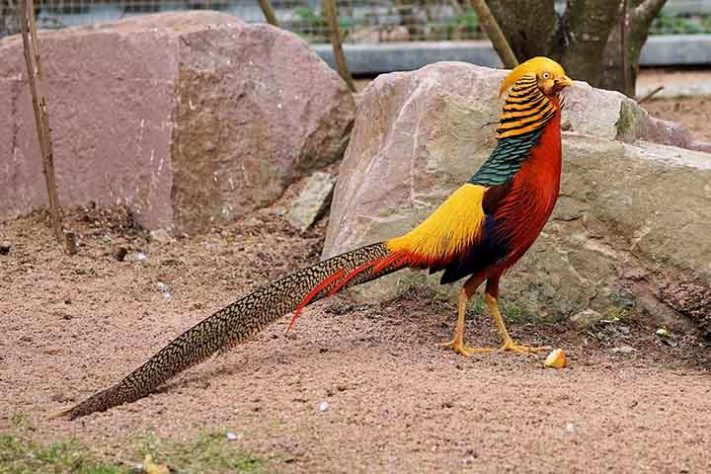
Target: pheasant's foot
510,346
466,351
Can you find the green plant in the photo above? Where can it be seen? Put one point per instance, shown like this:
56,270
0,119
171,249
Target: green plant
468,23
313,26
20,457
665,24
210,452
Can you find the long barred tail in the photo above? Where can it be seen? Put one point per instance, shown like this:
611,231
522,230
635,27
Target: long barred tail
240,320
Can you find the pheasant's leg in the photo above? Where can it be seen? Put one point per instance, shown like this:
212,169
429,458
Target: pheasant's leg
457,344
491,296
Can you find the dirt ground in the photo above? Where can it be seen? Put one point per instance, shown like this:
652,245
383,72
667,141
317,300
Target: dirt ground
694,113
395,400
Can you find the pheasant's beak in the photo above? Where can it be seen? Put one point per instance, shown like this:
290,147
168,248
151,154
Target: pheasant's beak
563,82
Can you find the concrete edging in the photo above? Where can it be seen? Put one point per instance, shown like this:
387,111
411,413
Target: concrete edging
366,59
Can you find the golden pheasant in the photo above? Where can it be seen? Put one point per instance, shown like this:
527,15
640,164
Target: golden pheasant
480,231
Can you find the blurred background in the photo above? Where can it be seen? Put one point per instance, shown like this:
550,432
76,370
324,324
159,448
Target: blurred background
361,21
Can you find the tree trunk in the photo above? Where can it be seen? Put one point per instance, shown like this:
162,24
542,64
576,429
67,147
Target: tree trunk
589,23
640,19
586,39
529,30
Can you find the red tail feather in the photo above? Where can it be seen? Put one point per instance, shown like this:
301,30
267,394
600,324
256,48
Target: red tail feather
378,266
312,294
340,279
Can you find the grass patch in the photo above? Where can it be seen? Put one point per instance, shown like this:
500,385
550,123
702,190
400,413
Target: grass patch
210,452
20,457
510,311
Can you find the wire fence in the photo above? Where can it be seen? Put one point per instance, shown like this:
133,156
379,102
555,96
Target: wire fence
361,21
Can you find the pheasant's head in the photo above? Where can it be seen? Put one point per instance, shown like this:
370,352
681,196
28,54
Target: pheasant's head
548,75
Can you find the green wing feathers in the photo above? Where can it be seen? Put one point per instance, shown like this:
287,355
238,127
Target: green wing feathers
240,320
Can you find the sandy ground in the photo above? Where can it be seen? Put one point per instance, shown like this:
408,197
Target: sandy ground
694,113
396,401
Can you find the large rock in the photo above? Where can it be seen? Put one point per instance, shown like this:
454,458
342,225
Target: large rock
632,216
184,117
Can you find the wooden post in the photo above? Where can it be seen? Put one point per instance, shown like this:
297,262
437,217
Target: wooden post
493,31
330,11
35,78
268,11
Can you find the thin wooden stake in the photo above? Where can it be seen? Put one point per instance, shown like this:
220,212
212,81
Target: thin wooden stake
35,78
493,31
268,11
331,12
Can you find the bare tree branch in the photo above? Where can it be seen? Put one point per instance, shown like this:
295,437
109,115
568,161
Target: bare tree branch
498,40
647,10
649,95
268,11
330,10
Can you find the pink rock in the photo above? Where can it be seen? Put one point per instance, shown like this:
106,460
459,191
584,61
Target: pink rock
183,117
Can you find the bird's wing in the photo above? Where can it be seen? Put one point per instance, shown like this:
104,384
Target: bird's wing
490,249
448,234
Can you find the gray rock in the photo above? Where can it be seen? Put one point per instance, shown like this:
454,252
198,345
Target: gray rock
185,117
586,318
161,236
313,200
624,349
626,210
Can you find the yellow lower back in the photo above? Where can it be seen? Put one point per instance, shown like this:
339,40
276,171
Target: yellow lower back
452,228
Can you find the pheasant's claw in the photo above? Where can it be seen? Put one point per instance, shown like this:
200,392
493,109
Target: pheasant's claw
510,346
466,351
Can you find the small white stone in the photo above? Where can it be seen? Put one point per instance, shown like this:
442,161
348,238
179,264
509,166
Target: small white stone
570,427
231,436
163,288
624,349
323,407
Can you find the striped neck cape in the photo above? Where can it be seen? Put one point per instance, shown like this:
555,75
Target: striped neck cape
526,109
524,117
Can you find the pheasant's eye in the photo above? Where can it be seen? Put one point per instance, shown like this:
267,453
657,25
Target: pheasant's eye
546,76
